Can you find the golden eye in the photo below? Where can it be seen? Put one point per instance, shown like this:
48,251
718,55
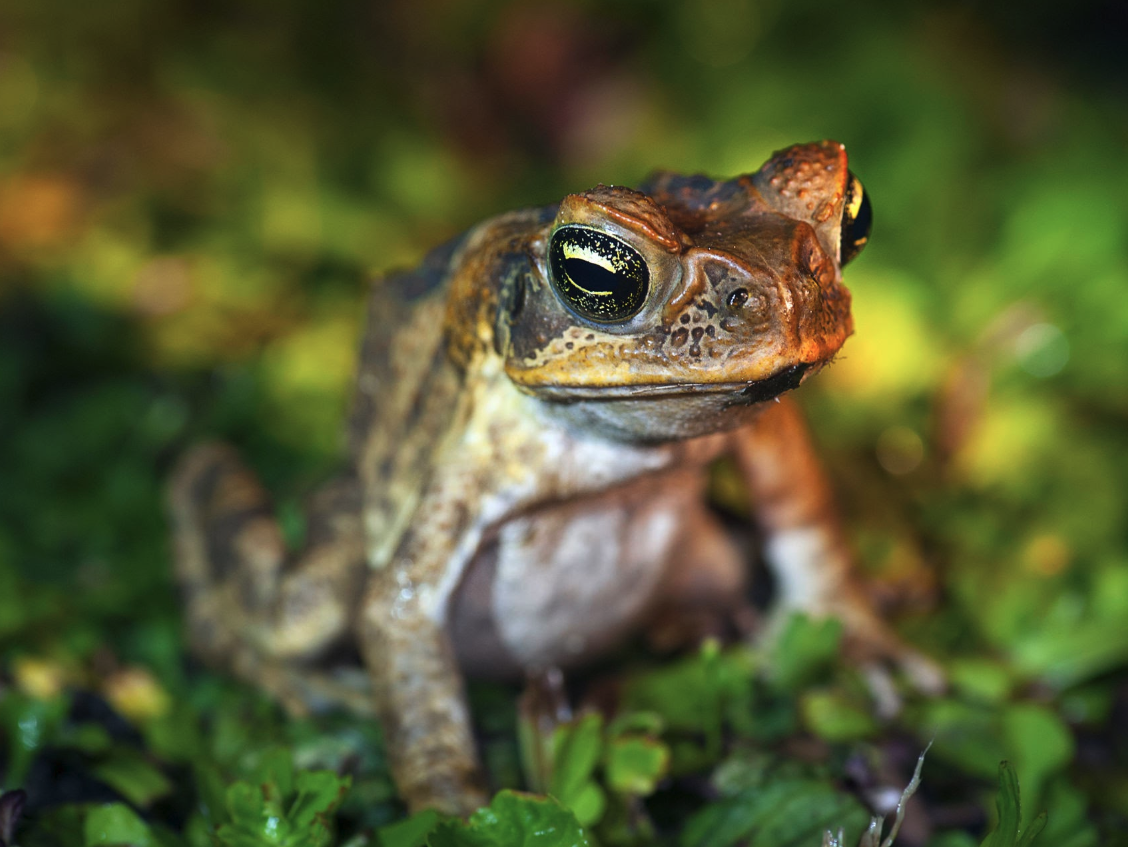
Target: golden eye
598,275
857,219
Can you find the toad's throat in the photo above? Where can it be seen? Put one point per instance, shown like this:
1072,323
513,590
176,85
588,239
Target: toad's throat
742,393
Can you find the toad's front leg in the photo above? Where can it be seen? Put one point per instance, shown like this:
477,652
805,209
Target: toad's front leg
419,687
421,703
805,544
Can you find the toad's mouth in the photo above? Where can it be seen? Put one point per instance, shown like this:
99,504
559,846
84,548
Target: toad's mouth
740,393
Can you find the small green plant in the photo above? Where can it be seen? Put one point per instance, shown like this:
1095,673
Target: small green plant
1008,831
513,819
287,810
284,809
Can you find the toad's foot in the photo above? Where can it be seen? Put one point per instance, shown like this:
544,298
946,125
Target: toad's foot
877,650
815,576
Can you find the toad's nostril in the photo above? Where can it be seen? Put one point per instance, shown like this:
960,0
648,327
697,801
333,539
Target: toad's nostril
737,298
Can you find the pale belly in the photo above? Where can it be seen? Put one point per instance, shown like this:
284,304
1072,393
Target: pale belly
564,583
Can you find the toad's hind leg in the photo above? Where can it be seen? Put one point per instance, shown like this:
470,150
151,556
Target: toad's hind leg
253,607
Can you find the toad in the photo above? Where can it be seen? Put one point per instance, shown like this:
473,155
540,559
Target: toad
536,409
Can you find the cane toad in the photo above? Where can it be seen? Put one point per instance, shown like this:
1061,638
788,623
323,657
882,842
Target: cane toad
536,407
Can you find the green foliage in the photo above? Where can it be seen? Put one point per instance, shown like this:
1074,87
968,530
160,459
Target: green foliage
117,824
511,820
783,813
411,831
697,698
282,807
565,762
635,764
1030,736
29,724
837,715
133,776
187,224
576,750
1009,831
805,649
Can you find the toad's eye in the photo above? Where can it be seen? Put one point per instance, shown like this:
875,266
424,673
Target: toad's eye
600,276
857,218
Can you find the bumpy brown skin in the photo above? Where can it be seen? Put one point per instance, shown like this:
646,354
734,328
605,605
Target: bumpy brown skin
526,484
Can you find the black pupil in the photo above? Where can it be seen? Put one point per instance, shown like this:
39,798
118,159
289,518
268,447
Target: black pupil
596,278
601,277
857,220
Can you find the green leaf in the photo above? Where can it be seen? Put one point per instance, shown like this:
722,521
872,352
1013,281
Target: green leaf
262,814
635,764
411,831
132,776
89,738
697,694
952,839
966,734
57,826
576,749
1071,822
1032,831
319,795
1039,743
832,715
744,768
804,649
29,723
589,804
1008,831
980,679
513,820
636,723
786,813
247,806
276,769
1010,812
802,818
211,789
176,735
116,823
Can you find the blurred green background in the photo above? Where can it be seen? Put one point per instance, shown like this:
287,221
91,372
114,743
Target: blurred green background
195,195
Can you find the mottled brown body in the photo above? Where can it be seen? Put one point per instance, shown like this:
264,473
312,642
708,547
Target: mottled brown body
528,479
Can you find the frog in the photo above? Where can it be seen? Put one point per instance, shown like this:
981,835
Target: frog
537,409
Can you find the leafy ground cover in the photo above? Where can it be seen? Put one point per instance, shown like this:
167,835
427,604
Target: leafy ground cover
192,199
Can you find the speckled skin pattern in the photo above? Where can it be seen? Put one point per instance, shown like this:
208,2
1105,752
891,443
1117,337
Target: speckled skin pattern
526,485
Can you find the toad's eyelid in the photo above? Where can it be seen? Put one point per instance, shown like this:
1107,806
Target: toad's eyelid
578,251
